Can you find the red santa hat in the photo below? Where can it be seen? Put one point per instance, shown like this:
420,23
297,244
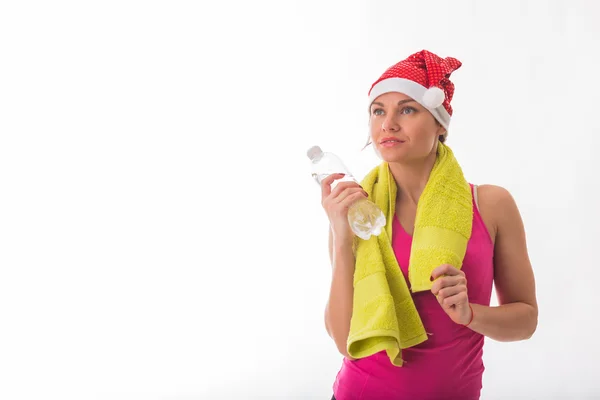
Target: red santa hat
425,77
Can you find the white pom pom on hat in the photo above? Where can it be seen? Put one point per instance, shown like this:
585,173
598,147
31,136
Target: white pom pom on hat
433,97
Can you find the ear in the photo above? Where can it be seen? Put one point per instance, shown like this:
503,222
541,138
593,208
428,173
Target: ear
441,131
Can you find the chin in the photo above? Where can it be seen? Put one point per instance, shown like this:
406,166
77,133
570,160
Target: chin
391,155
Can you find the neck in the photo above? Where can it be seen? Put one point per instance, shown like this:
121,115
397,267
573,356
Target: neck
411,178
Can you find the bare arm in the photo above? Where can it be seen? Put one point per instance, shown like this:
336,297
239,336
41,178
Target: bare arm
516,316
338,311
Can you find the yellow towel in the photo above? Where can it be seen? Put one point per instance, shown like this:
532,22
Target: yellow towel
384,316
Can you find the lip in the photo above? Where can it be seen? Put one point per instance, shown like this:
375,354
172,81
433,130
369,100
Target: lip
390,142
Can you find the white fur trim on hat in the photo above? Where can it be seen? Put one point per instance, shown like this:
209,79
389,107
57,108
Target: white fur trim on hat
418,92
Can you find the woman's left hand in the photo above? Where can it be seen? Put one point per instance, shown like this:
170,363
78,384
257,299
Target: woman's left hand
450,288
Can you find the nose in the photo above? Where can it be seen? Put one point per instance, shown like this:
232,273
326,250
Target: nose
390,124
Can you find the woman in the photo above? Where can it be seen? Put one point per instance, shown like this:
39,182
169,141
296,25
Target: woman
409,115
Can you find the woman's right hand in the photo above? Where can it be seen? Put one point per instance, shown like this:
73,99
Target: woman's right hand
336,203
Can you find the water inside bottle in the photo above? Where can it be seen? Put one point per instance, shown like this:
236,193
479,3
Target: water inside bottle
346,178
366,219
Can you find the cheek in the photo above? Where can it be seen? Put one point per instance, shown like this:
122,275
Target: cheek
374,123
423,132
374,128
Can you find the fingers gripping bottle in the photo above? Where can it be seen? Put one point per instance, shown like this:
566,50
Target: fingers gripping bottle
364,216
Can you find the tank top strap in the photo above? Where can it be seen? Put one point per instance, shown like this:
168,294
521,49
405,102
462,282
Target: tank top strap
474,194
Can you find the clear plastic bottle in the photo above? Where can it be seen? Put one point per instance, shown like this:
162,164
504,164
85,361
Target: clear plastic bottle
364,216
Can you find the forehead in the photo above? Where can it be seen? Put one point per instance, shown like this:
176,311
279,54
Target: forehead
391,97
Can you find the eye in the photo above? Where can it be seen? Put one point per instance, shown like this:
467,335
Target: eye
408,110
378,111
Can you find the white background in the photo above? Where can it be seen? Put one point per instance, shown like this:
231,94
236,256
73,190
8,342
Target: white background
161,237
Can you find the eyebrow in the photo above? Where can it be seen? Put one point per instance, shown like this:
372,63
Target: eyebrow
399,103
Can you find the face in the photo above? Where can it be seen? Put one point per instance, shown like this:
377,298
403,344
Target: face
401,129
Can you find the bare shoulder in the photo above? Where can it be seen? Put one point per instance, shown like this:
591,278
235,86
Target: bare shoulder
495,204
494,195
513,273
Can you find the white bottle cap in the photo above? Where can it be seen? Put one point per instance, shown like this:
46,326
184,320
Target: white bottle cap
314,152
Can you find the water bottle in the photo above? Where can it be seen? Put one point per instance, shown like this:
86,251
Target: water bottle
364,216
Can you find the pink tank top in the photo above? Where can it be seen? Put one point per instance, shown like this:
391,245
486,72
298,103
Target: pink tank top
449,364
